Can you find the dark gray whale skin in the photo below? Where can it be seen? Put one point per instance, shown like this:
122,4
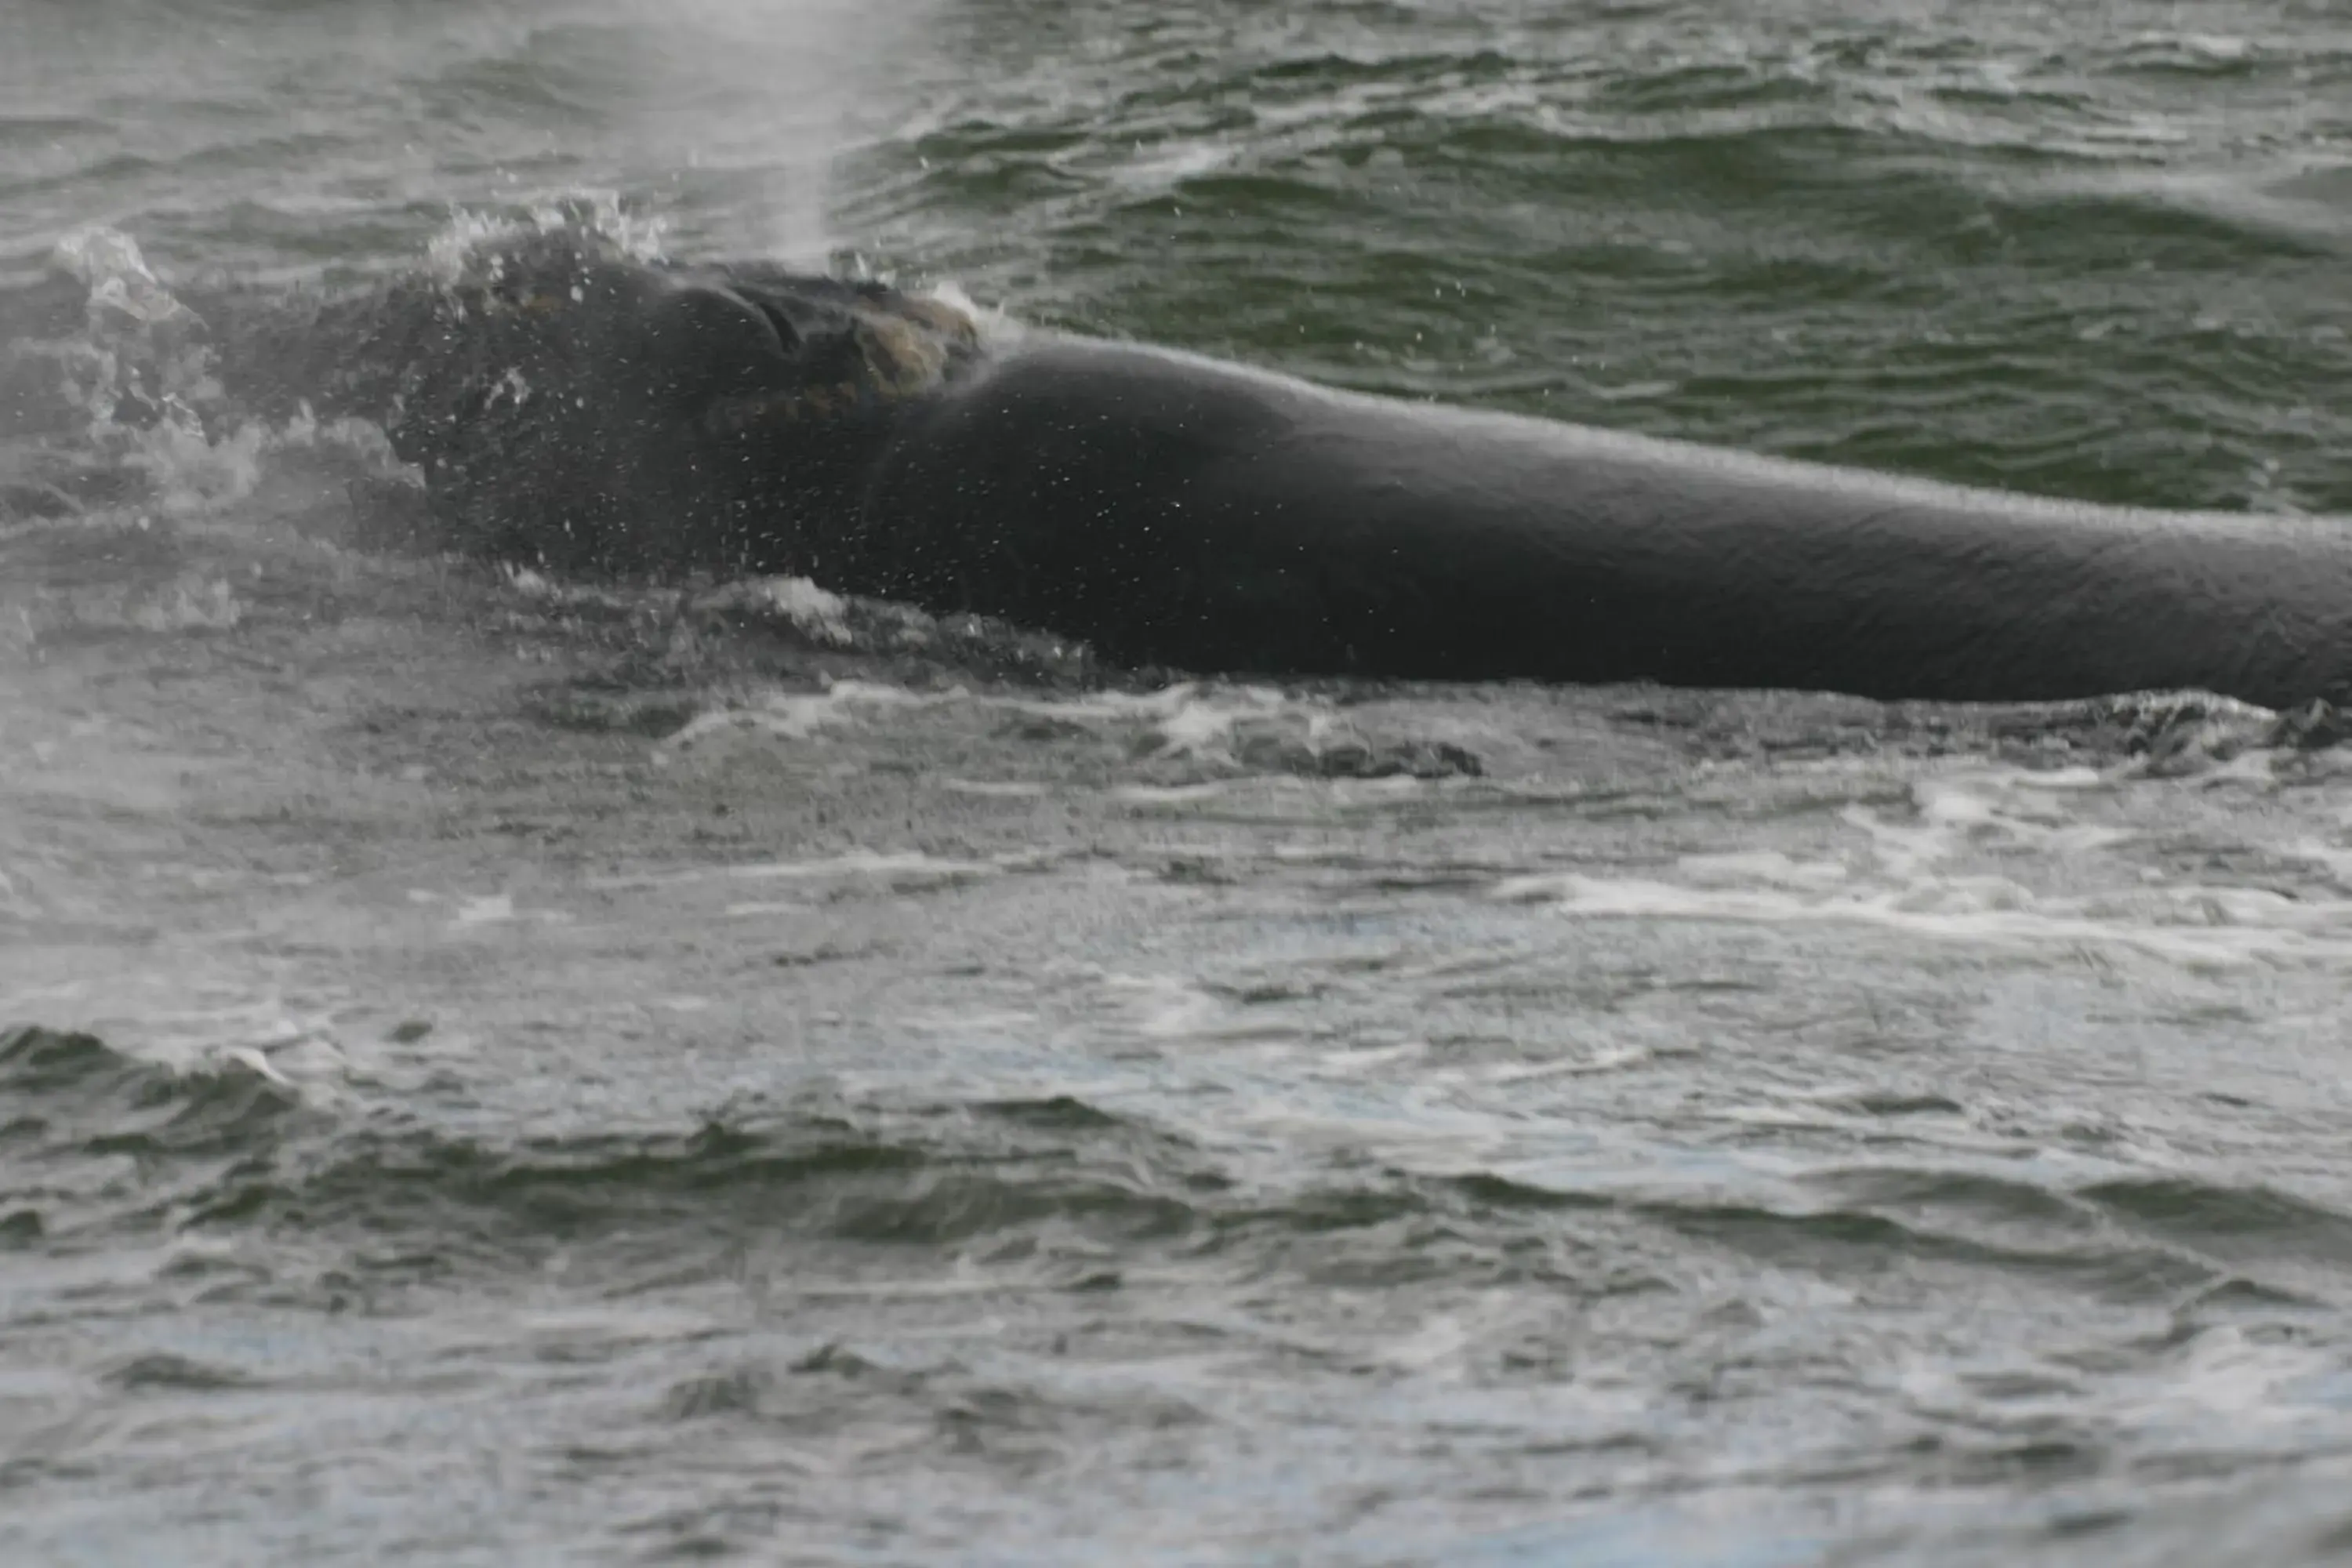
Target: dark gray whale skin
1174,509
601,415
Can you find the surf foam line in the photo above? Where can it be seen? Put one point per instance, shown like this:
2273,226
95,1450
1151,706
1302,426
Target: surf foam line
1192,718
2196,927
1946,878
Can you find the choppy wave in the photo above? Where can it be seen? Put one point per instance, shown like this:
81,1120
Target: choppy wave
1052,1192
833,1282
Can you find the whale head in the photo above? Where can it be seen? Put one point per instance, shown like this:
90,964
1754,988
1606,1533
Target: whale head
580,409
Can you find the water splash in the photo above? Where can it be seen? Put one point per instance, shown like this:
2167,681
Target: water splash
472,247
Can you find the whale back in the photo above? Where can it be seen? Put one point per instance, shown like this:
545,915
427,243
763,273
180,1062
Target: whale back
1174,509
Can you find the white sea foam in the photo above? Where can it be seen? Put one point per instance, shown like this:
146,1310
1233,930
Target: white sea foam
994,789
490,909
1187,720
1990,857
902,870
899,867
822,615
797,715
2196,927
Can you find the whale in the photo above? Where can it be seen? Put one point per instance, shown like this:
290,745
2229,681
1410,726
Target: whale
592,414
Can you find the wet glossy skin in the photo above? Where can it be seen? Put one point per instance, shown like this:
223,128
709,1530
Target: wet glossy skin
598,415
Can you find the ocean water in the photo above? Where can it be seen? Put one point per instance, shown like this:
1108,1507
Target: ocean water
495,1069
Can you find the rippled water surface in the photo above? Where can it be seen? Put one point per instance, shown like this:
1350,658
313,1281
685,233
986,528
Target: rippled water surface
500,1071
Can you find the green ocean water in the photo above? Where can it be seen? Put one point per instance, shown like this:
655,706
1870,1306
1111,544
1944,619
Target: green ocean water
2093,249
492,1071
